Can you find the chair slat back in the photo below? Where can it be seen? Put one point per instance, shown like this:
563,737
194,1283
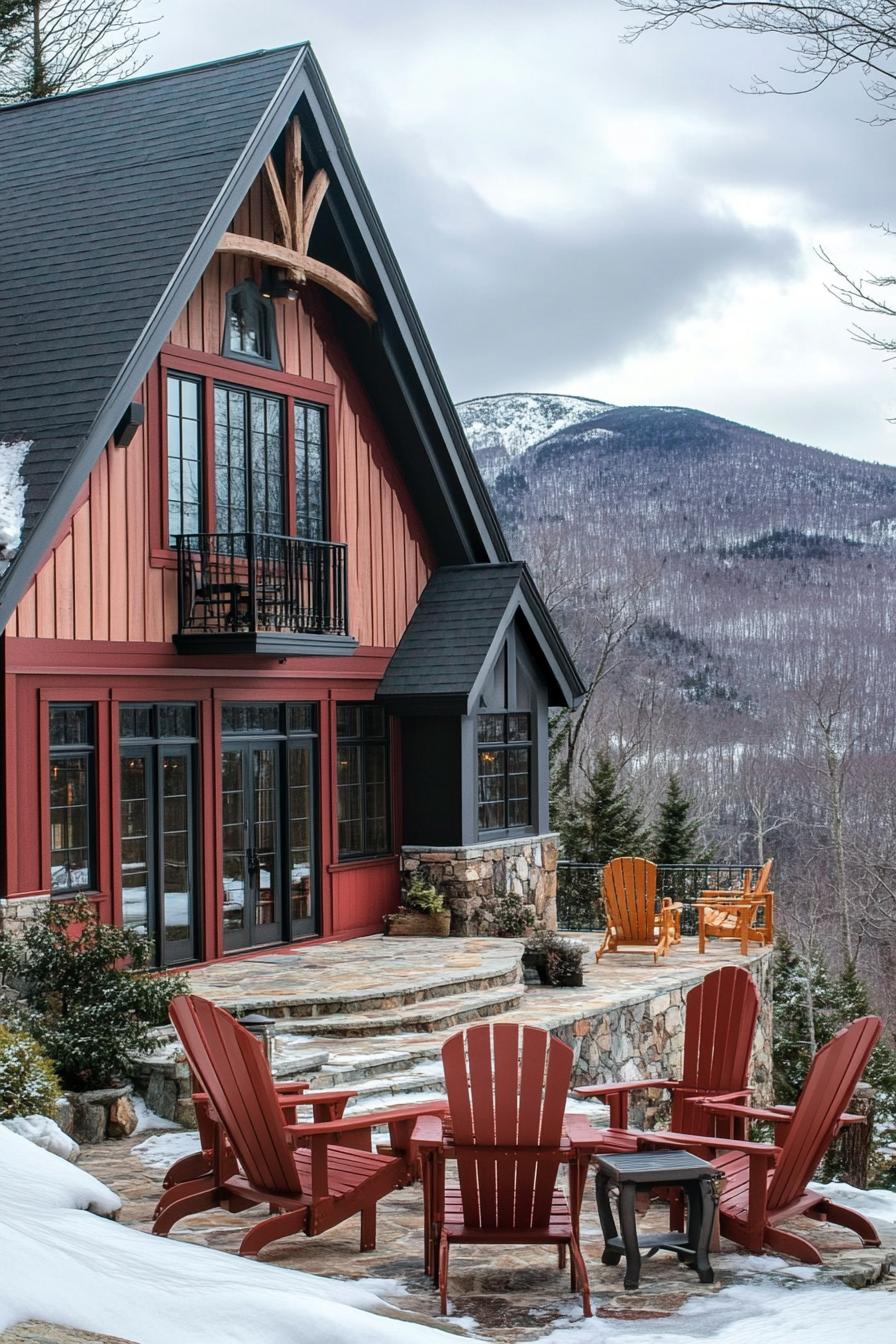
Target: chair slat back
235,1074
827,1091
629,890
762,879
720,1023
507,1086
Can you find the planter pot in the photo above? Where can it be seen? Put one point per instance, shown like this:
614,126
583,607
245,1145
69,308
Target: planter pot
416,924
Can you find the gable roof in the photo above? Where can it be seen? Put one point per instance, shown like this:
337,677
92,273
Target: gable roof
114,201
457,630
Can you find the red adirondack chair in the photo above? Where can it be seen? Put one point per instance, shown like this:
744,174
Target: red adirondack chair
765,1183
720,1022
257,1154
507,1087
199,1166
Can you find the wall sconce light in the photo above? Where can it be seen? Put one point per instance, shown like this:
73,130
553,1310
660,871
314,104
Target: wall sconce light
128,425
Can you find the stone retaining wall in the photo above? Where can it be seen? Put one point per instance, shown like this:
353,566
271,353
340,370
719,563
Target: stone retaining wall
645,1036
475,880
17,912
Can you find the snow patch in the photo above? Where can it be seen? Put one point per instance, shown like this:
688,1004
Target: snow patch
160,1151
502,428
44,1133
878,1205
12,495
36,1181
147,1119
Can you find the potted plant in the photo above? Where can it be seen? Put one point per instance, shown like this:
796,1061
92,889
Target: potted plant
558,961
422,914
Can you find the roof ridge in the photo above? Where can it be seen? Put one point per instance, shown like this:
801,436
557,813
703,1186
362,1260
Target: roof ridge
154,75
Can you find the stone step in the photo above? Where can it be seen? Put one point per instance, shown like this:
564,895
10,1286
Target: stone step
430,1015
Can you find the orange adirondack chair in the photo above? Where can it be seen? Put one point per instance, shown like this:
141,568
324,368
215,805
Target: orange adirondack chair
633,920
257,1154
735,914
507,1087
720,1022
765,1183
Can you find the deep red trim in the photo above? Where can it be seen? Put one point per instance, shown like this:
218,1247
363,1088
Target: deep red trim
80,657
238,372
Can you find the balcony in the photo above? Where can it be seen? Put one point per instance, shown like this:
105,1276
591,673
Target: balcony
248,592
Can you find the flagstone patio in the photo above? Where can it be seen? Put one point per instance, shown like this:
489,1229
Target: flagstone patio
504,1293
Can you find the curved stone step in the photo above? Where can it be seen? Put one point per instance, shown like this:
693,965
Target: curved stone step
429,1015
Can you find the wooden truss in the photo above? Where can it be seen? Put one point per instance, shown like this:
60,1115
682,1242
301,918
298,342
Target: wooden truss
295,212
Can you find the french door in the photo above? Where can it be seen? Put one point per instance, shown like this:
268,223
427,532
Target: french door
268,797
157,853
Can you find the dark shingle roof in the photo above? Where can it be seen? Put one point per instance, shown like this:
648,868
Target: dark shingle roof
449,642
102,194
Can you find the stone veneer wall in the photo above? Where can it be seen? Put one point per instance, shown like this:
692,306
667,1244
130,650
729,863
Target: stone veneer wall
645,1036
475,879
16,912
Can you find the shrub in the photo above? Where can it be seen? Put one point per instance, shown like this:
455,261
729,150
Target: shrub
89,997
28,1083
560,957
510,919
423,896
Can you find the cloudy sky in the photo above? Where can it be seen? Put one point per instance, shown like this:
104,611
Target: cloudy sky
577,215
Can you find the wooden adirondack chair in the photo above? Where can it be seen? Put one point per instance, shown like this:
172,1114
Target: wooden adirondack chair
720,1022
765,1183
507,1087
257,1154
633,920
736,914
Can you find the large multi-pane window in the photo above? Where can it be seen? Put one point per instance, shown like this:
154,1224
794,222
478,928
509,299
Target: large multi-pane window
505,769
362,780
249,494
158,868
72,802
184,456
310,484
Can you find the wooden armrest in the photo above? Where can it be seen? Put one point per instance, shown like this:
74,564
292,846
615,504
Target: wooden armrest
669,1139
372,1120
717,1107
581,1133
295,1085
619,1089
313,1097
428,1131
729,902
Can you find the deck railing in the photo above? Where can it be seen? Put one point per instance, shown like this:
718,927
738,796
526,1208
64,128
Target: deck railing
248,582
580,902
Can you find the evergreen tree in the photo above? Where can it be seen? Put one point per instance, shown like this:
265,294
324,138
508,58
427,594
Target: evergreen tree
675,837
803,1016
613,822
850,1000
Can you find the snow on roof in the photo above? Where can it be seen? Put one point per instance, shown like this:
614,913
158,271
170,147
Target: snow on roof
12,496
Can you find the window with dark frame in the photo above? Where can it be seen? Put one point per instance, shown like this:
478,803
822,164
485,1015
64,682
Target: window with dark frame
72,799
310,472
362,781
184,456
249,495
504,771
250,330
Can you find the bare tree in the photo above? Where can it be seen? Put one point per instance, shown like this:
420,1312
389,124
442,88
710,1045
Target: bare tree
824,40
51,46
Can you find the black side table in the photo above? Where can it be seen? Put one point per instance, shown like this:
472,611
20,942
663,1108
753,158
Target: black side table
630,1172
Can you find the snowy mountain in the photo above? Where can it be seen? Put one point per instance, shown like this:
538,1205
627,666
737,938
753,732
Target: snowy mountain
501,428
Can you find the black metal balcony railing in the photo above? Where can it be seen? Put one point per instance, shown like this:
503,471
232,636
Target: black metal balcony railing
247,583
580,905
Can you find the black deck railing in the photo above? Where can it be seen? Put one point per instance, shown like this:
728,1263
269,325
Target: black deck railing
580,905
248,582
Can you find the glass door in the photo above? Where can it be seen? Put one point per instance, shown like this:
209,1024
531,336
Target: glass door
252,853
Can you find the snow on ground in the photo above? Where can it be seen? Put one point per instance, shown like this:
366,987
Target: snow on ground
12,495
878,1205
147,1119
39,1129
160,1150
67,1266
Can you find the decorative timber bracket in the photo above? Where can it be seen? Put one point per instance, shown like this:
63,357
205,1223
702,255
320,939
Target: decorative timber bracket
295,211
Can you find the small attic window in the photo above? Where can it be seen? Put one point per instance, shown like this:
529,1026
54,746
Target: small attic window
249,330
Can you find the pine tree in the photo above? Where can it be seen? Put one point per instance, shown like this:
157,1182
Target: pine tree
803,1016
613,822
850,1000
675,837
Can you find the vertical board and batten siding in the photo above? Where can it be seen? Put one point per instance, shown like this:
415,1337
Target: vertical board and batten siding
98,582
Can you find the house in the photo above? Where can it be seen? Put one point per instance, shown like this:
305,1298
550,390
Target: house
263,641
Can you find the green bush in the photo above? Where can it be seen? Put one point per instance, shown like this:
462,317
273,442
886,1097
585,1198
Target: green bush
423,896
90,999
510,919
28,1083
